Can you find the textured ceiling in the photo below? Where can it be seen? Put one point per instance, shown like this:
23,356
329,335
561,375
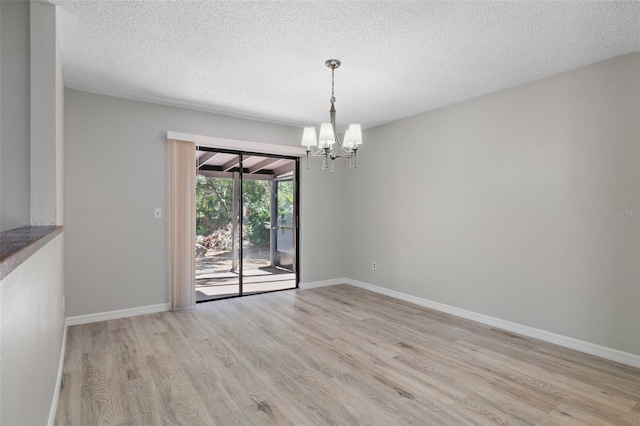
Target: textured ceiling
265,60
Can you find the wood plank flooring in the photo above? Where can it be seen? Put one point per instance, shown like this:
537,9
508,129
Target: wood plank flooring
334,355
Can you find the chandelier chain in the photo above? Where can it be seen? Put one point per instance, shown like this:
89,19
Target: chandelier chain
333,84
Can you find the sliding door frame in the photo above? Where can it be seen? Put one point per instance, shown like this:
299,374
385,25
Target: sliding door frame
296,213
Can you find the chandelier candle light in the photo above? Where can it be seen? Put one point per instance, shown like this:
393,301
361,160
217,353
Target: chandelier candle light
329,145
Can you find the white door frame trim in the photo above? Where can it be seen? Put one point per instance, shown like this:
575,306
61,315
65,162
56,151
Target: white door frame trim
238,145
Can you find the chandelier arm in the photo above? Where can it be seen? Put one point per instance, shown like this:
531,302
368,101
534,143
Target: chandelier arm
321,153
342,156
340,152
332,117
332,114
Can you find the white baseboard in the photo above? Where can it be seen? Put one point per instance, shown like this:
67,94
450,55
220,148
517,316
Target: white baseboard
56,393
325,283
121,313
568,342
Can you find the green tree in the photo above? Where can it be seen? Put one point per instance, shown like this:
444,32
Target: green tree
257,208
214,207
214,204
285,201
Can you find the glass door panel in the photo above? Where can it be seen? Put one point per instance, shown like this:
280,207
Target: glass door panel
256,239
217,228
284,230
268,247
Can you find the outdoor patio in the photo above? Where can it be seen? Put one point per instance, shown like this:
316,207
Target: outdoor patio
215,280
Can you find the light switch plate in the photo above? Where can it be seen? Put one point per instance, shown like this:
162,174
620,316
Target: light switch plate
158,213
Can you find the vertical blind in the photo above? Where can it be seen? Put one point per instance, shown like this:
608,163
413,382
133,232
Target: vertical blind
183,224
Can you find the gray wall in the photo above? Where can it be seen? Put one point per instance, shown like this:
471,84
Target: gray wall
503,205
116,173
32,327
15,118
46,135
31,87
31,296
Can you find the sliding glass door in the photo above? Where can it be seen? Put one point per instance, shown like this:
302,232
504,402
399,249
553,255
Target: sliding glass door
246,217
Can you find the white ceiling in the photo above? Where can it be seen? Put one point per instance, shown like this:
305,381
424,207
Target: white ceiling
265,60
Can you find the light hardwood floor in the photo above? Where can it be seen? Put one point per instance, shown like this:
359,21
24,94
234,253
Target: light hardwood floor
334,355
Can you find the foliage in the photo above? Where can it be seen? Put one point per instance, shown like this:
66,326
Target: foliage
214,206
285,202
214,199
257,210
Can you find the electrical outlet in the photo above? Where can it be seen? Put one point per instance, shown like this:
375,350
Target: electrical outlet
375,265
158,213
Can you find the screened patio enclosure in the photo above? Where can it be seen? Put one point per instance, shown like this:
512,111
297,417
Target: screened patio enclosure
246,223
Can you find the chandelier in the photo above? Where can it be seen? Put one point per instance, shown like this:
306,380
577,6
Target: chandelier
328,142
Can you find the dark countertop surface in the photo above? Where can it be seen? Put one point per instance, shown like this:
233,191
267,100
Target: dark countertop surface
17,245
